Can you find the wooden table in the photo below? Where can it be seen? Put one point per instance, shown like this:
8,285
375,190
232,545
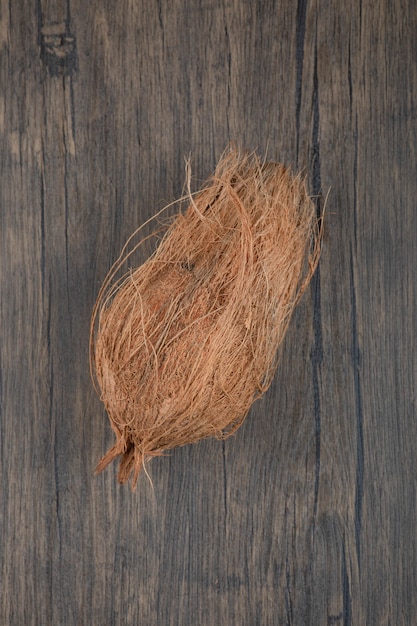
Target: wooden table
308,514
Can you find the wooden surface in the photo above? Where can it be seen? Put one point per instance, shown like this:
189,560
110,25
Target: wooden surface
308,514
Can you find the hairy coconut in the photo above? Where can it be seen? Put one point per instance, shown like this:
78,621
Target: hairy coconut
183,345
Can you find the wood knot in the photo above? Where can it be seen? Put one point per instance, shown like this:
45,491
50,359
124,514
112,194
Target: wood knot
58,50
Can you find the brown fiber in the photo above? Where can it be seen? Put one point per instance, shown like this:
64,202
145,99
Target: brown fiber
183,345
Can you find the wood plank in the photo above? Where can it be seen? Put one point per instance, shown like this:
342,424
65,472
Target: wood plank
307,515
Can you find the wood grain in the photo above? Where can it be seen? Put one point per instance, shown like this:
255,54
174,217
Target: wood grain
307,515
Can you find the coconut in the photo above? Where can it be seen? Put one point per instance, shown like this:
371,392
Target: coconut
183,345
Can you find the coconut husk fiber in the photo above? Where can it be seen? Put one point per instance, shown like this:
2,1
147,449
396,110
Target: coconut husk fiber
182,345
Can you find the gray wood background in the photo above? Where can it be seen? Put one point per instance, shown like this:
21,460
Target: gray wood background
308,514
